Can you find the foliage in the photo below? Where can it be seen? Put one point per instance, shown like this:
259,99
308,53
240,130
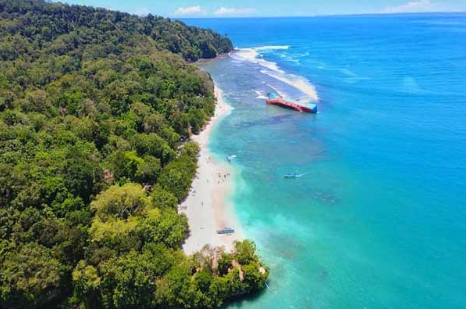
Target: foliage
162,198
120,202
69,27
31,276
96,111
177,175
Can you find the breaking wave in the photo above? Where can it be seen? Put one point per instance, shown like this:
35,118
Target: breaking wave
260,95
254,55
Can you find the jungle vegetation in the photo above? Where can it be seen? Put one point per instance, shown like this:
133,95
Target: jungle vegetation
96,111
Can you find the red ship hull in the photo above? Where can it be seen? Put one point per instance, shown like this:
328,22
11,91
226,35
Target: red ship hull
282,103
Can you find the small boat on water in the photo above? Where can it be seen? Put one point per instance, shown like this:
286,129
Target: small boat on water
275,99
293,175
229,158
226,230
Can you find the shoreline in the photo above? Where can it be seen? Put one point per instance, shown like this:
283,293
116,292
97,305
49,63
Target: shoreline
208,205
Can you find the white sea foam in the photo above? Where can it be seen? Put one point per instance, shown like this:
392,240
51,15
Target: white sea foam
253,55
272,47
348,72
302,55
410,85
297,82
260,95
282,94
289,58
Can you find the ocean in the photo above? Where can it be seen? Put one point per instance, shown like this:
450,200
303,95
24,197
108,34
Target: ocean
378,218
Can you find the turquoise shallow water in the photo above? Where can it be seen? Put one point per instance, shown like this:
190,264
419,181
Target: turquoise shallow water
379,218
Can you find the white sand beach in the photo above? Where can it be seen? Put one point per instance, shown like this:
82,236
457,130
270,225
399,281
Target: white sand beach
208,207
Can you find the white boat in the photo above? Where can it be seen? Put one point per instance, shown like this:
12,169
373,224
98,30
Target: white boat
228,158
293,175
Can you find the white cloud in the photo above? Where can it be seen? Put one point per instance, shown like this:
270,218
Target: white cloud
189,11
223,11
141,11
421,6
414,6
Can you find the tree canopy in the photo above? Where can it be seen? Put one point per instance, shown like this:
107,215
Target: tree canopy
96,111
75,27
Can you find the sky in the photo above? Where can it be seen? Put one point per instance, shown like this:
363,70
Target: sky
270,8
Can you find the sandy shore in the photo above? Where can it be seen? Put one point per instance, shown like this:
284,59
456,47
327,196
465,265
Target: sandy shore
207,207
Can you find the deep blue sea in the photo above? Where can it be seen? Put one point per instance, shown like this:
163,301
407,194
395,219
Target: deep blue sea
378,218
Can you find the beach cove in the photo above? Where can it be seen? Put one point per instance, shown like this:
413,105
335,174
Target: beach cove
208,205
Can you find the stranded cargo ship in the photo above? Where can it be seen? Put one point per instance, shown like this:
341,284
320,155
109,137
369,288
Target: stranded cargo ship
274,99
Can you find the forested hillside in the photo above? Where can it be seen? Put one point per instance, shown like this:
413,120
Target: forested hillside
63,29
96,110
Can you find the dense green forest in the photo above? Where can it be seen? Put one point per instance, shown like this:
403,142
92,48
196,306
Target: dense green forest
96,110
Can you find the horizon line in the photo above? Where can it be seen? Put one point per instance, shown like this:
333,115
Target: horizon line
309,16
259,16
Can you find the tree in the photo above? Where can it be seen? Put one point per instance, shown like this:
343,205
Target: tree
191,149
165,227
30,277
176,177
148,170
245,251
162,198
80,173
120,202
153,145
